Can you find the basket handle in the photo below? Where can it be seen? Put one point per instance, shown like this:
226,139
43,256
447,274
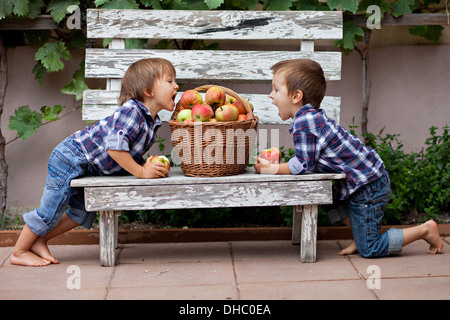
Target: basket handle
250,115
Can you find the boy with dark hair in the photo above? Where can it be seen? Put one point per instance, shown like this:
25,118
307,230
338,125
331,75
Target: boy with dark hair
322,145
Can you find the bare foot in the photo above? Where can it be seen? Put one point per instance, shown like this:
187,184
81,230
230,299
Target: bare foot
350,249
432,237
28,258
41,249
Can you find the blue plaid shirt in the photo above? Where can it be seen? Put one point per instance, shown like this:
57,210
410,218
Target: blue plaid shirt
321,145
130,128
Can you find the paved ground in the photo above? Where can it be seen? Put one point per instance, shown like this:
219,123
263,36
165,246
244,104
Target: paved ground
242,270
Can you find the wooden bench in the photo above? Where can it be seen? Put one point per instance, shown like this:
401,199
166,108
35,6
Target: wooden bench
110,195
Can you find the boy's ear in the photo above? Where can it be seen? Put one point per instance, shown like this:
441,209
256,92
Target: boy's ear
148,93
297,96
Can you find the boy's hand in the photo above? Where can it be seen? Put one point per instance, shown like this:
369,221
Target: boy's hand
266,167
152,170
261,165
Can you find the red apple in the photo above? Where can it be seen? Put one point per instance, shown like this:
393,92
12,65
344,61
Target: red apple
189,120
227,112
236,110
240,106
215,97
242,117
202,112
163,160
189,98
184,114
273,155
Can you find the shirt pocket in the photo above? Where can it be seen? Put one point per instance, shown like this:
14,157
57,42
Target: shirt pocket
59,170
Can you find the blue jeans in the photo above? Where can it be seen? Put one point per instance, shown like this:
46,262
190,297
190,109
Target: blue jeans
366,209
66,163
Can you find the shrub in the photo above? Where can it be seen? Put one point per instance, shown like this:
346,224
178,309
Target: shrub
419,181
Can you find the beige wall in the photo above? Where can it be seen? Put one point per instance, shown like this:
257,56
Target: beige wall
409,94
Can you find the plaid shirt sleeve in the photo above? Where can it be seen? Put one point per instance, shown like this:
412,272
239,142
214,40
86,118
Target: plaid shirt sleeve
123,127
306,143
321,145
305,153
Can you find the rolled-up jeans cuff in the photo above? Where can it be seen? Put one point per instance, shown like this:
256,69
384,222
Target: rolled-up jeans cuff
81,217
35,223
395,241
337,214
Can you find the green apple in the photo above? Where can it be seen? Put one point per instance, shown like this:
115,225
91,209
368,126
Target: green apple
184,114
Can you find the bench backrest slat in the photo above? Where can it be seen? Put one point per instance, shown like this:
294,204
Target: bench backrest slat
213,25
204,65
104,102
208,66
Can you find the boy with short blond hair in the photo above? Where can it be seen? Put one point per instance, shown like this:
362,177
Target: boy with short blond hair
322,145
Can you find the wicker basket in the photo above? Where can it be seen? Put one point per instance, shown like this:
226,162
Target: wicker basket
222,151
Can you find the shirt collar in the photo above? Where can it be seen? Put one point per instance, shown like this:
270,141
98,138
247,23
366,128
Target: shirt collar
156,122
301,111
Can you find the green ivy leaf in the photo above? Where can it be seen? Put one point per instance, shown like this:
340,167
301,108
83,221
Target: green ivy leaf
245,4
51,113
155,4
311,5
98,3
51,53
77,85
58,8
213,4
351,34
432,33
6,7
117,4
25,122
136,43
39,71
277,5
35,8
350,5
21,8
400,7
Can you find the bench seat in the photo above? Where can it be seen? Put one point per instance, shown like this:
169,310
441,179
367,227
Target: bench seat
109,195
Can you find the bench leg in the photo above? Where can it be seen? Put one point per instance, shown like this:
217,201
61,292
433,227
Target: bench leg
309,233
108,237
297,224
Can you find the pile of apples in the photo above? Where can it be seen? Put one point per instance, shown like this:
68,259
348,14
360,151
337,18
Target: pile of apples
216,107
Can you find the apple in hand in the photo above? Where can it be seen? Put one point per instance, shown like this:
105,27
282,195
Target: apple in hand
202,112
226,112
189,98
215,97
184,114
273,155
163,160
